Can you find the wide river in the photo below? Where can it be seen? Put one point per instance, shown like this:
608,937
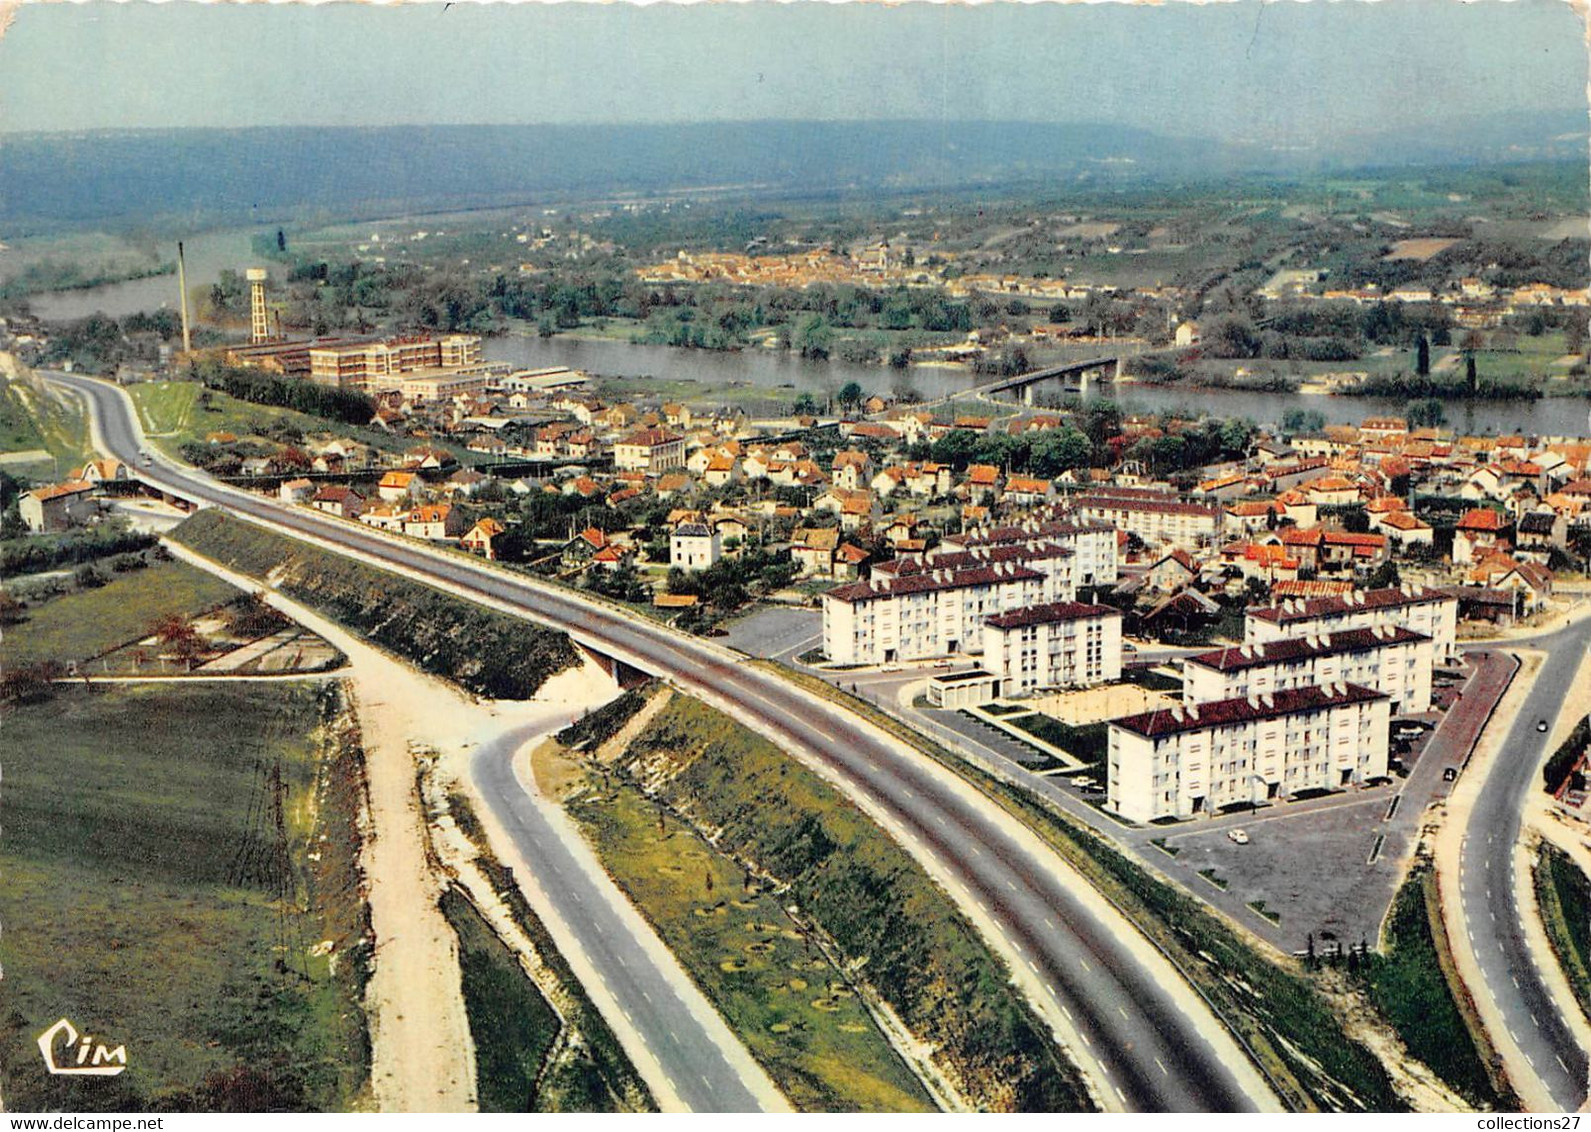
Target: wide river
1550,416
208,254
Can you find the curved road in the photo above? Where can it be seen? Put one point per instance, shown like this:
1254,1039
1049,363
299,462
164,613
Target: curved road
702,1076
1487,900
1158,1048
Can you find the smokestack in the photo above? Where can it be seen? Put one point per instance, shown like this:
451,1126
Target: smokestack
182,295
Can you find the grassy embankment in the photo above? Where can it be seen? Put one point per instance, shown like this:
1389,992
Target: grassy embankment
540,1044
729,835
484,651
37,418
173,414
514,1027
1564,895
1271,1003
85,624
153,897
1412,982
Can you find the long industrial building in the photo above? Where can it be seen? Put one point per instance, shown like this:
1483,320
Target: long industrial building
1201,758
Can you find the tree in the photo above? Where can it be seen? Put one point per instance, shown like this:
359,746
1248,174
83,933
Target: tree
1427,413
850,395
1422,357
281,240
1469,372
805,405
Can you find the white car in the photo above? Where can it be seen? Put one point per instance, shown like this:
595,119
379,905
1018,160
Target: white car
1237,836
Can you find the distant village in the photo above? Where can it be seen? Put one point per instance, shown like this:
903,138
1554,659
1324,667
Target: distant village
1330,572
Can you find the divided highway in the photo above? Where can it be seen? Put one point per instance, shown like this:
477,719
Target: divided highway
1156,1046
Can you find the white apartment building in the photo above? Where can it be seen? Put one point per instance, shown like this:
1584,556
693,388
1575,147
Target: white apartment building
1065,644
1199,758
650,450
1421,609
694,546
915,616
1393,661
1092,545
1051,559
1157,518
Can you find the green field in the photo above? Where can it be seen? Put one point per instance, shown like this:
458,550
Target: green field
1410,986
774,820
152,898
1564,894
82,625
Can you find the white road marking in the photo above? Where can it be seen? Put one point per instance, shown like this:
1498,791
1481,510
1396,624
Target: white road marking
1086,967
1121,1094
1048,924
1560,1062
1163,1068
1122,1012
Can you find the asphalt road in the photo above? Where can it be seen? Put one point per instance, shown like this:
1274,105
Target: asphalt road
1488,903
1158,1051
695,1064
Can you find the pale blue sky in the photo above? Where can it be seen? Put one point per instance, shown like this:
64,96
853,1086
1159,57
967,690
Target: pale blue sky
1285,72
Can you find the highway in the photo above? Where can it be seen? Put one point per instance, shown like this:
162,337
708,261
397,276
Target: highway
1488,902
1154,1046
610,936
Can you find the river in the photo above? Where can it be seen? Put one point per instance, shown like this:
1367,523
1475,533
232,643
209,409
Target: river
211,252
1550,416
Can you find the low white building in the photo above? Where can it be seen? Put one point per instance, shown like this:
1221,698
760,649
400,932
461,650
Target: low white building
1421,609
1393,661
1200,758
915,616
1064,644
694,546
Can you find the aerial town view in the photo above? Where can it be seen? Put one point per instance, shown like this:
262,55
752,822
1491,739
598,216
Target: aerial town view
826,558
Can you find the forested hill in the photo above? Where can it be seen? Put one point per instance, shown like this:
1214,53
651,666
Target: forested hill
146,175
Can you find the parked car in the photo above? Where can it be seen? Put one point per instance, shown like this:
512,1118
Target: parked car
1450,774
1541,725
1237,836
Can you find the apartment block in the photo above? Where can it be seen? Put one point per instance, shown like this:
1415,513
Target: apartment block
1200,758
1064,644
1391,660
1420,609
1159,519
1049,558
1092,544
650,450
916,616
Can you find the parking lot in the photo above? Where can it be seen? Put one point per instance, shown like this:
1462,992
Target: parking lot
1330,866
776,632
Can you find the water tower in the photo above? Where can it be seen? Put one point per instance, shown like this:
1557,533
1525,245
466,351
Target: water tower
259,317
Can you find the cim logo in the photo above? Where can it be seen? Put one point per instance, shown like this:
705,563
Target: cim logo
68,1053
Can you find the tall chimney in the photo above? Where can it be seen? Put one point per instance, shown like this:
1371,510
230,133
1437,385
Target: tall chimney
182,295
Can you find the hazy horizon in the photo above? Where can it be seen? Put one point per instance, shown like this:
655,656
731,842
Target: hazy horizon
1279,74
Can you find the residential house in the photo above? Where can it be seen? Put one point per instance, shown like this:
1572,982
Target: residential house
480,538
400,487
55,507
694,546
